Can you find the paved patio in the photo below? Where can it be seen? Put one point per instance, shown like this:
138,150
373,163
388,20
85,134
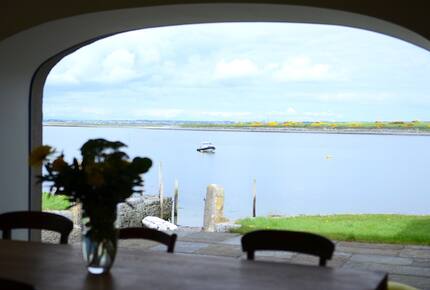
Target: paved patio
406,264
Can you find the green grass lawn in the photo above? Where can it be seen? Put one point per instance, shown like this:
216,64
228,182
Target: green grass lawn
54,202
373,228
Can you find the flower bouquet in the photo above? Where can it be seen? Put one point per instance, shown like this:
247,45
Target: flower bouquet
102,178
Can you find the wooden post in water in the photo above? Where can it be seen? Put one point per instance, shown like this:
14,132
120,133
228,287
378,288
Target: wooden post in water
254,198
77,214
175,203
161,190
172,212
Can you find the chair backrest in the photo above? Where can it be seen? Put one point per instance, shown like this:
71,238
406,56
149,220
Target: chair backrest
35,220
301,242
7,284
149,234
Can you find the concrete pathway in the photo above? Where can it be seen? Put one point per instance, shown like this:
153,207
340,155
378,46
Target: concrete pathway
406,264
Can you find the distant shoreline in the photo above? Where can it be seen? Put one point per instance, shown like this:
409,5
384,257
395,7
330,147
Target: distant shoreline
352,131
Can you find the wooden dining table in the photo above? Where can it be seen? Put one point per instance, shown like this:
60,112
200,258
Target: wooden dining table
61,267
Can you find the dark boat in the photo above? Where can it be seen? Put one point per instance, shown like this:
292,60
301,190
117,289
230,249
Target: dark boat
206,147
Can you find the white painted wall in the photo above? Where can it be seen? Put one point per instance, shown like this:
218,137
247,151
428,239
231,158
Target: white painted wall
21,54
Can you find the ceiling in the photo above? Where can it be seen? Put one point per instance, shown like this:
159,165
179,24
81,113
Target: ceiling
19,15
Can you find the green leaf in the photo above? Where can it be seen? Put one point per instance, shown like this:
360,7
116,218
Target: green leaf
141,165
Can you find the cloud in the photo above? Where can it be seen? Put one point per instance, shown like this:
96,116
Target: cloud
319,114
87,66
148,55
157,113
63,78
291,111
171,113
302,69
235,69
224,115
295,115
356,97
118,66
71,69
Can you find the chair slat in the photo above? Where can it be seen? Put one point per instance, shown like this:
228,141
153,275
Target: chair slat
35,220
301,242
149,234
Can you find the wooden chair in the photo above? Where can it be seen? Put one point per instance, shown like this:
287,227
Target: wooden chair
301,242
7,284
35,220
149,234
399,286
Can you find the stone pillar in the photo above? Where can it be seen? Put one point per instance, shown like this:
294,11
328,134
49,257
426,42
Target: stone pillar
214,207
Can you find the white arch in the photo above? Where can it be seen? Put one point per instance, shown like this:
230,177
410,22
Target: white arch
39,48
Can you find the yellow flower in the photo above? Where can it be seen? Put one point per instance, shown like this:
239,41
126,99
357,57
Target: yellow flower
39,154
59,164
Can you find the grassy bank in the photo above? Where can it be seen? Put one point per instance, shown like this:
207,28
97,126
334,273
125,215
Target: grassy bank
54,202
375,228
373,127
396,125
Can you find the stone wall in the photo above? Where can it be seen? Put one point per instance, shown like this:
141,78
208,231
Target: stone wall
129,215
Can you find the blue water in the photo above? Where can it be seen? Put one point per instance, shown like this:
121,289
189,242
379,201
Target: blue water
296,173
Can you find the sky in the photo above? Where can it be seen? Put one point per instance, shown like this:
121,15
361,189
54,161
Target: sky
242,72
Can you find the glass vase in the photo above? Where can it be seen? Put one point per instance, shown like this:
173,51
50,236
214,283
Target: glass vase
99,245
